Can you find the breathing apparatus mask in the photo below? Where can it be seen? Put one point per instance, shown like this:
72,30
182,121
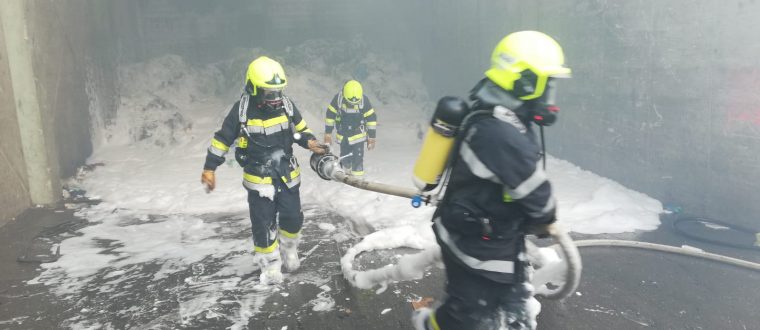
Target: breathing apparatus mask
267,98
544,110
272,98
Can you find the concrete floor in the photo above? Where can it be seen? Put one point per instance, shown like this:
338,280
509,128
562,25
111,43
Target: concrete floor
620,289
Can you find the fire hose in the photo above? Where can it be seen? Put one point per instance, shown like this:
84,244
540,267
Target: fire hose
327,166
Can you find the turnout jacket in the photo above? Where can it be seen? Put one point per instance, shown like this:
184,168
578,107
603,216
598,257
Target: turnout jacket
497,188
265,140
354,122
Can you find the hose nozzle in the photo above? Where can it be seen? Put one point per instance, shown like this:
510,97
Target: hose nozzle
325,165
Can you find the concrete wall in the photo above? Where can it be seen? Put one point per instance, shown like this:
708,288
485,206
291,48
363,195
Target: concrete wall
664,97
204,31
14,188
61,67
197,30
73,43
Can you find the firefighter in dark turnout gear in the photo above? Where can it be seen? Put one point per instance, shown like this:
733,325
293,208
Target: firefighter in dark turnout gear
265,124
498,191
352,115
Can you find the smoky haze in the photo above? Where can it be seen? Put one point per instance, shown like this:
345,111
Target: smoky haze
109,108
663,98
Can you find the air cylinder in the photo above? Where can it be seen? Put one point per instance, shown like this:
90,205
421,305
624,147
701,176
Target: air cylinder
439,140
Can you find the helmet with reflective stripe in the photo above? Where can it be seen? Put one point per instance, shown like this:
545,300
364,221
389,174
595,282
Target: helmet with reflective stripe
352,91
524,61
265,73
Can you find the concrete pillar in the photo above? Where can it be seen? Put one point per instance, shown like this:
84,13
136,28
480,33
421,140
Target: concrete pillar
44,185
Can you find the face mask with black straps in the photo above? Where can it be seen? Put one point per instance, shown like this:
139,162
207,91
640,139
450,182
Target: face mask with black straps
272,99
544,111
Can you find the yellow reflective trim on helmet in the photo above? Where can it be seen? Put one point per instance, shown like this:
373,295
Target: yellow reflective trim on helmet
268,249
287,234
219,145
330,121
257,179
330,107
269,122
301,126
371,123
369,113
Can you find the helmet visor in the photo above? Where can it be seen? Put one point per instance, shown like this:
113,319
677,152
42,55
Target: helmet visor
550,92
272,96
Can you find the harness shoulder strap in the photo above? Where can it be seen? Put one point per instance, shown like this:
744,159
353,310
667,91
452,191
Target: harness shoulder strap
462,133
243,109
288,106
243,113
340,102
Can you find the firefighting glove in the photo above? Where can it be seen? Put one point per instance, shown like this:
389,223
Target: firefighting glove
208,179
328,139
315,147
370,143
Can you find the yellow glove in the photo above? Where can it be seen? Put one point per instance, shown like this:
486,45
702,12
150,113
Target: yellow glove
208,179
328,139
315,147
370,143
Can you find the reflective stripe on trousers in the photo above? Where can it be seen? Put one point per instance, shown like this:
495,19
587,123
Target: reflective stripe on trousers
353,139
498,266
254,182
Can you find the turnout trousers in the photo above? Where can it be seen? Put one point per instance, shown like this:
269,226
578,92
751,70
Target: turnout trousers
475,302
355,162
270,218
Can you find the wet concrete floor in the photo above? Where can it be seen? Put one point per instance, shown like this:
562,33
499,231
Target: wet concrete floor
620,289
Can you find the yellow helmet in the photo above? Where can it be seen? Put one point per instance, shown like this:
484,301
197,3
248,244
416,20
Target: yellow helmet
352,92
265,73
524,61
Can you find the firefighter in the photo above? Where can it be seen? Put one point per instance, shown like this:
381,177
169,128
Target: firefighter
265,124
498,191
355,120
